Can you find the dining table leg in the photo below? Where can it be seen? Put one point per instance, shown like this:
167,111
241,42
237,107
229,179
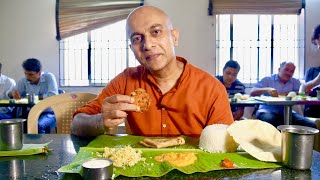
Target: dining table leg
287,114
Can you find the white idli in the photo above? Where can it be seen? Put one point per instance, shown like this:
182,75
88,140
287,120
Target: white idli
215,139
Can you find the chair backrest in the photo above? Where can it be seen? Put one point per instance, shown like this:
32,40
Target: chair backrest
63,106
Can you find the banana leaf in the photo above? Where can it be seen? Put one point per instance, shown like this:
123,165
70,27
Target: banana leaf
28,149
152,168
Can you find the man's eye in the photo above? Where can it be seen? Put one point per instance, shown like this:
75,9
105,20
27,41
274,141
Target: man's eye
157,32
136,40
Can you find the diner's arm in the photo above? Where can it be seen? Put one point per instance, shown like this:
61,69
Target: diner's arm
313,83
89,125
258,91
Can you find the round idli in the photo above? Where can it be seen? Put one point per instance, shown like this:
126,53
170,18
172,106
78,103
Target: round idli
215,139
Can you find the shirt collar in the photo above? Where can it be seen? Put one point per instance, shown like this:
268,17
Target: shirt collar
278,79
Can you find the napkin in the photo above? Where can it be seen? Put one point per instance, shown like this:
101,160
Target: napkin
28,149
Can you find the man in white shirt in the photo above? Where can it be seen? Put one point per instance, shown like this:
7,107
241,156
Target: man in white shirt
6,86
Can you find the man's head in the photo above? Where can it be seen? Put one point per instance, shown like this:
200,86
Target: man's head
230,72
32,70
152,37
286,71
315,39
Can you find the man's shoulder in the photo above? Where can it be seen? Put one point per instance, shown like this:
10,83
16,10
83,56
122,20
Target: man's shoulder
7,79
48,76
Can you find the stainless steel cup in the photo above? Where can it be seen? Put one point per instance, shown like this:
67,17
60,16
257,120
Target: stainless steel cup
30,98
11,131
297,146
97,169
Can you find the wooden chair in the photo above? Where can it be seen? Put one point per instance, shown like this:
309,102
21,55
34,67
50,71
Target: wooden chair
63,106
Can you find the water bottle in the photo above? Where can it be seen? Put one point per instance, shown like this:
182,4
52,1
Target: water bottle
302,89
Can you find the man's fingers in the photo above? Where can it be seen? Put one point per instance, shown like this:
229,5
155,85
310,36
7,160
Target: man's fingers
117,114
119,98
109,123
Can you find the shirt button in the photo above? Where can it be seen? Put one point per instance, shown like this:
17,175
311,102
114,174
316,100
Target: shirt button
164,125
163,108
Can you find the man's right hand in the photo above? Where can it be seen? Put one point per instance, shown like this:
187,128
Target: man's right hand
114,109
15,95
273,92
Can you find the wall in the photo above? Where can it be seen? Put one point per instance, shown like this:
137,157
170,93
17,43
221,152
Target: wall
28,30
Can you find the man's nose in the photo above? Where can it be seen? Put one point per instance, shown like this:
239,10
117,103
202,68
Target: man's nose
148,43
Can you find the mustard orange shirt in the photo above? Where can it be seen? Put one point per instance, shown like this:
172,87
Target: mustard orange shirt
197,100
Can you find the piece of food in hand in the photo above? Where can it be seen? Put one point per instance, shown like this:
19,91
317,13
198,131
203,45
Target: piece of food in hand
162,142
141,99
215,139
227,163
274,93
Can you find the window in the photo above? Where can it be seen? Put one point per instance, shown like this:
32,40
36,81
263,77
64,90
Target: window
259,43
95,57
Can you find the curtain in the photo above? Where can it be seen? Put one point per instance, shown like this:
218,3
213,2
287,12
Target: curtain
256,6
78,16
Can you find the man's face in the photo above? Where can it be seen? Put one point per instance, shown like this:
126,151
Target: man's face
32,76
229,75
152,38
286,72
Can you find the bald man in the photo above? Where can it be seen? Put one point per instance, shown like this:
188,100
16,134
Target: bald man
275,85
184,98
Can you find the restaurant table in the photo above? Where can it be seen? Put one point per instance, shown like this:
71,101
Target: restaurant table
23,104
244,103
65,148
267,100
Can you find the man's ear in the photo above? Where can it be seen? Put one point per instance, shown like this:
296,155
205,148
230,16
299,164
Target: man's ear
175,37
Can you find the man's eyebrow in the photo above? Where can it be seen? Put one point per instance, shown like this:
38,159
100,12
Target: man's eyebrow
151,27
156,25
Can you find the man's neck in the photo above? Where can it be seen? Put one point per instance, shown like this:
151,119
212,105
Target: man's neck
168,77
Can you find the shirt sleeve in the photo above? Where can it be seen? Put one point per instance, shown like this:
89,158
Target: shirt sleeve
264,82
21,87
11,85
220,111
310,74
52,85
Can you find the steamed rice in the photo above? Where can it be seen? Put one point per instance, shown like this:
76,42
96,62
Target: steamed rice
215,139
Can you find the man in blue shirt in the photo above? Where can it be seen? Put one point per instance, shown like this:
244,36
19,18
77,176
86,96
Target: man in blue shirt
275,85
232,84
38,83
6,86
